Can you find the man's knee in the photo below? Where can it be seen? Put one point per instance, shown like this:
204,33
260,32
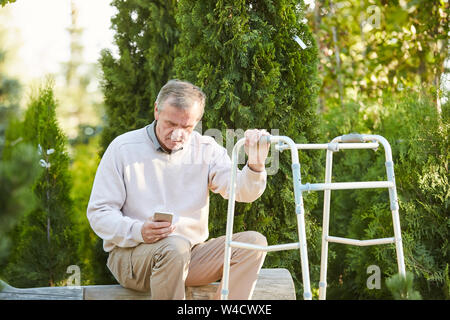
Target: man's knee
152,263
175,248
254,237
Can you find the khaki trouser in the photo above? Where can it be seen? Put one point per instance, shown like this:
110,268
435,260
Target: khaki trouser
164,268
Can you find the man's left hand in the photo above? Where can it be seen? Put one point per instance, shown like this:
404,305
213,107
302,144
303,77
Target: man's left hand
257,152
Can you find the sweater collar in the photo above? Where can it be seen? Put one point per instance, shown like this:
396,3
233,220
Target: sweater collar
151,131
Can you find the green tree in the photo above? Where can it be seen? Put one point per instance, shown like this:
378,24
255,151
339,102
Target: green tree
368,47
83,167
15,155
15,198
402,287
146,34
45,242
255,75
15,195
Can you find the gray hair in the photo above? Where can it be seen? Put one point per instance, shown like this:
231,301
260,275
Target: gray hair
182,93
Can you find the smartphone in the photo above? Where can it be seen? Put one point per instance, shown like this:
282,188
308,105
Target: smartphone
163,216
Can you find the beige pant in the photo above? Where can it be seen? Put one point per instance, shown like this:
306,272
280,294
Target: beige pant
164,268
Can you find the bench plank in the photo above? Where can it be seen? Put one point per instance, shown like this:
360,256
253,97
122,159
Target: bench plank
44,293
272,284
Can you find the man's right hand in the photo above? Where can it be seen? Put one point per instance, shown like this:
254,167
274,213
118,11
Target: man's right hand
153,231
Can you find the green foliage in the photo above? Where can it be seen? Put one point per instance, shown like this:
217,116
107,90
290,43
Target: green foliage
45,241
419,139
90,249
242,54
146,34
15,195
15,155
5,2
373,56
10,90
370,47
402,287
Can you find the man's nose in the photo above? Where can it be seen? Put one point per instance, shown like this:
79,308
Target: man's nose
179,133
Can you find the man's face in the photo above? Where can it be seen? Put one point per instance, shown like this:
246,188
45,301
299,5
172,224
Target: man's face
174,125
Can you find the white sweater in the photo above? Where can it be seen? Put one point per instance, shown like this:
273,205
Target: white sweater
134,180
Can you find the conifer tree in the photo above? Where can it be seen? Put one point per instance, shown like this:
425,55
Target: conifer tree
244,55
15,155
15,195
45,242
145,37
402,288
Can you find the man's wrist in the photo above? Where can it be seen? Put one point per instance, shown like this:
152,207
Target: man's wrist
256,167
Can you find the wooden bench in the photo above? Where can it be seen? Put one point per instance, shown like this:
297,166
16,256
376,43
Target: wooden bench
272,284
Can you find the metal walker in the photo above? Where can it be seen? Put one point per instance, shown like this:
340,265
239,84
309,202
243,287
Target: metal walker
350,141
358,141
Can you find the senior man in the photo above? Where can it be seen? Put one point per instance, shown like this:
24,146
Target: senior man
167,166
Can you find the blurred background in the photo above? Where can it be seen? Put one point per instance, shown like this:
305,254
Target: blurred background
62,39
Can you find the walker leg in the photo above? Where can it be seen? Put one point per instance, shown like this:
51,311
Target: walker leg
307,295
226,270
300,211
325,229
396,219
398,243
229,230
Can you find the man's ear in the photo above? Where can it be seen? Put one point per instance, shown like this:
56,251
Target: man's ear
201,116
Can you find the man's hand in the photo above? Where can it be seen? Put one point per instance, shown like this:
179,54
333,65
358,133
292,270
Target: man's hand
257,152
153,231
